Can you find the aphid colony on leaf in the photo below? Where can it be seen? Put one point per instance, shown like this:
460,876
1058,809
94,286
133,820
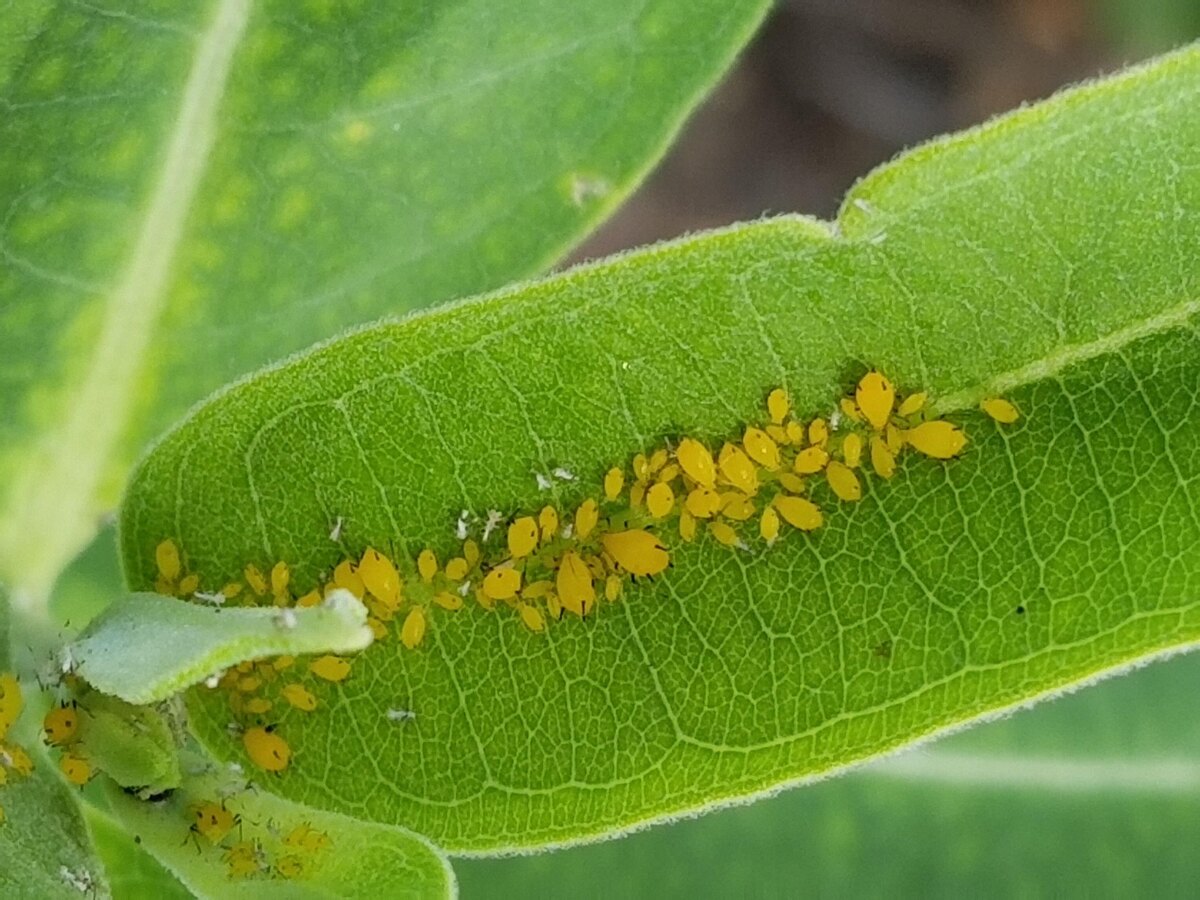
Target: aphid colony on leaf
547,564
14,761
251,849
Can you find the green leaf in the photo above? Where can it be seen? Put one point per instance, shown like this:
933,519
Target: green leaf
1049,255
196,189
359,859
133,873
145,647
1094,794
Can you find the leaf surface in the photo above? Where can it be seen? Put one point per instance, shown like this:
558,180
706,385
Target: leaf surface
1048,256
188,191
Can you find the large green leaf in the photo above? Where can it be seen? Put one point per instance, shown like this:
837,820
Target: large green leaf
189,190
1049,255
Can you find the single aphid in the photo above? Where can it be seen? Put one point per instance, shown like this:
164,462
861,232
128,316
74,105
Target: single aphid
254,577
912,404
300,697
379,629
761,448
779,434
573,584
687,526
738,469
535,590
213,821
843,481
798,512
379,576
523,536
657,460
893,439
347,577
636,551
77,769
876,397
793,483
166,558
11,701
668,473
547,522
502,583
471,552
312,598
281,577
852,448
660,500
249,684
61,725
795,433
737,506
282,663
850,410
725,534
427,565
14,757
811,460
614,482
257,706
532,617
641,467
778,405
457,568
612,588
188,585
883,461
768,525
818,432
330,668
266,749
412,632
289,866
938,439
305,837
697,462
448,600
586,518
243,859
1001,410
703,502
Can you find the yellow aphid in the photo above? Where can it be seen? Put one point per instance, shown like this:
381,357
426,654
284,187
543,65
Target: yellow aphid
77,769
254,577
882,459
612,588
795,433
843,481
696,462
850,409
761,448
637,494
636,551
502,583
266,749
290,866
687,526
312,598
378,628
531,617
330,668
281,577
938,439
658,459
548,522
779,434
811,460
668,473
305,837
243,859
893,439
574,584
852,448
660,500
61,725
11,701
768,525
586,518
912,404
703,502
778,405
427,565
614,483
457,568
818,432
188,585
537,589
379,576
412,632
232,590
166,558
448,600
738,469
300,697
15,758
347,577
258,705
523,536
641,467
876,397
214,821
790,482
1001,410
736,506
484,600
249,684
798,512
471,552
283,663
554,607
724,533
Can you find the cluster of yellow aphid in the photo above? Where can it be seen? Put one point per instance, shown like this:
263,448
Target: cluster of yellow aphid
214,824
544,565
61,728
14,761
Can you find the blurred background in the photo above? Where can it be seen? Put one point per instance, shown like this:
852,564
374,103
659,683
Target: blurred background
1093,795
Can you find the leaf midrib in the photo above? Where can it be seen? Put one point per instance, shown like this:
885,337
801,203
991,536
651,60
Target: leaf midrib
50,505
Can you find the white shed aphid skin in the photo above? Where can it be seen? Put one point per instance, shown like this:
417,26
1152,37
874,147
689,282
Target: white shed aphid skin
213,681
464,588
494,518
564,474
835,419
82,880
401,715
568,531
543,482
285,619
335,533
216,598
460,527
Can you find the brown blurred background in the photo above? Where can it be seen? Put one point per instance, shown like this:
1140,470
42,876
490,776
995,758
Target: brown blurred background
831,88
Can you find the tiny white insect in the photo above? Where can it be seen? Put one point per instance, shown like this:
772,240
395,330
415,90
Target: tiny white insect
494,518
214,680
336,532
216,598
401,715
285,619
564,474
460,527
543,483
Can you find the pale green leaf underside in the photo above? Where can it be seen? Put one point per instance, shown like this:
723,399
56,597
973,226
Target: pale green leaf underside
364,860
190,190
1050,255
145,647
